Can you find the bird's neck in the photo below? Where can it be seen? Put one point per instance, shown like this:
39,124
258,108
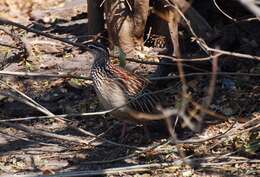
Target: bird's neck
101,59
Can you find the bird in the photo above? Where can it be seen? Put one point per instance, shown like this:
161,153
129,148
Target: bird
119,88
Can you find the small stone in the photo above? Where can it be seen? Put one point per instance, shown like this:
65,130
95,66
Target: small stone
187,173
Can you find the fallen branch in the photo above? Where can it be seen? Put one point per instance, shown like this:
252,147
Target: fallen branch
8,22
46,133
31,74
27,100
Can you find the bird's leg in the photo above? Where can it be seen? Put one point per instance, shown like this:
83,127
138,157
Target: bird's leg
123,131
146,132
105,120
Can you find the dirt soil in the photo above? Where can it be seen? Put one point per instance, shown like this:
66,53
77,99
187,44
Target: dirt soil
226,144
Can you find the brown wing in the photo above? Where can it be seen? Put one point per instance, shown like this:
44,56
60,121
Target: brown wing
132,84
135,87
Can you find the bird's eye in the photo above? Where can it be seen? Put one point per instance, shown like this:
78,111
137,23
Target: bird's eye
91,46
98,47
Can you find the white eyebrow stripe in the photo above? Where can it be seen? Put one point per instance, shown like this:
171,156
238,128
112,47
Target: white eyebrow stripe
98,48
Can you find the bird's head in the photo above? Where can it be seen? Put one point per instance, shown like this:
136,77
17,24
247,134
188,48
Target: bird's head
98,47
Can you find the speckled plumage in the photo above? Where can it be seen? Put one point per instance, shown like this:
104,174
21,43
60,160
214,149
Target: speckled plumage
116,87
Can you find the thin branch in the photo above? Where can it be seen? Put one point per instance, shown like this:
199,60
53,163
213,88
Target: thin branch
211,88
187,59
199,141
34,104
60,115
10,46
234,131
210,164
206,74
250,5
27,100
28,140
198,40
236,54
31,74
46,133
204,45
254,121
174,138
170,64
115,171
8,22
224,13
